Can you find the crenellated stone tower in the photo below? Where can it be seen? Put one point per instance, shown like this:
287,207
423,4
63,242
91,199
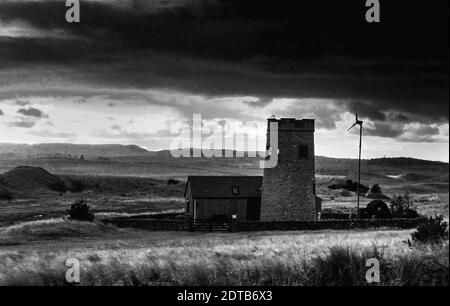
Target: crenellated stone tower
289,187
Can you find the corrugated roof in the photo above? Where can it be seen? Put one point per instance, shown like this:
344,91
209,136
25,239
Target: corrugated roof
222,186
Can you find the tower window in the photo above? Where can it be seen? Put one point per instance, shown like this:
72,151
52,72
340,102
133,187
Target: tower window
302,151
235,190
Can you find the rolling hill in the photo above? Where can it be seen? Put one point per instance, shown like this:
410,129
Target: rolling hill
131,160
42,150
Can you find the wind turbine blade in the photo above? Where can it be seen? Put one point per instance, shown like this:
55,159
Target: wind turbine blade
351,127
356,112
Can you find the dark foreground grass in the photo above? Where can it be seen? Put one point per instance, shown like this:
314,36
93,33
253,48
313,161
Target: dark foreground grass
346,267
110,256
339,267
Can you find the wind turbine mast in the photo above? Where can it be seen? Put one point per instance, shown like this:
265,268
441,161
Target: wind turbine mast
360,123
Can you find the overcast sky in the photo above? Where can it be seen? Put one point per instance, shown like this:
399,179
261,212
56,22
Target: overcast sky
131,70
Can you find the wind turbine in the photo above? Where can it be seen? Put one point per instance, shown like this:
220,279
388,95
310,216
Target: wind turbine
360,123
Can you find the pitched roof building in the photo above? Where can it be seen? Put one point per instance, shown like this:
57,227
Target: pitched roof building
287,191
222,197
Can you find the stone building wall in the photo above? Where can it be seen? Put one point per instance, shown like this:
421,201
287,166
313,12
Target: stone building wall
288,188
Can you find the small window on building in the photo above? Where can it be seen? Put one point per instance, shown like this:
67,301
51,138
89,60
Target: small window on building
302,151
235,190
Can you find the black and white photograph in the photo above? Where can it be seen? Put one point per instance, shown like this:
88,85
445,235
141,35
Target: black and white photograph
234,144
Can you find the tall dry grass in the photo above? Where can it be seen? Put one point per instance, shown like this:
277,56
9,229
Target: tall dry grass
292,258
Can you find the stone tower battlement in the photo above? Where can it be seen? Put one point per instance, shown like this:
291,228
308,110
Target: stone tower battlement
289,187
292,124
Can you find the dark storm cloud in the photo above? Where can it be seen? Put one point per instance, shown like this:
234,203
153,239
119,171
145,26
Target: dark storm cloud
384,129
264,49
366,109
399,118
32,112
22,123
427,131
405,132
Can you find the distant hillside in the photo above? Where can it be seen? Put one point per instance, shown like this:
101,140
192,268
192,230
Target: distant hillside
131,160
403,162
326,164
25,181
43,150
323,162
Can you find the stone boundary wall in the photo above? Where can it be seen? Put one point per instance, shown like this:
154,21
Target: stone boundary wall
149,224
329,224
182,225
337,216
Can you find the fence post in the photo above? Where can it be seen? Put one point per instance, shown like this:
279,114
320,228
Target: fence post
191,225
230,229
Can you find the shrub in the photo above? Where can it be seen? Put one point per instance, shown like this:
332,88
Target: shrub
377,209
6,195
172,181
402,206
375,189
80,211
434,230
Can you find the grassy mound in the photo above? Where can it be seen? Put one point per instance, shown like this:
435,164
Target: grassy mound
26,179
52,229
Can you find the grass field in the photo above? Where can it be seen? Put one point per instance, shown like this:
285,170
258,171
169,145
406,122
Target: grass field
35,241
105,195
35,254
112,195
